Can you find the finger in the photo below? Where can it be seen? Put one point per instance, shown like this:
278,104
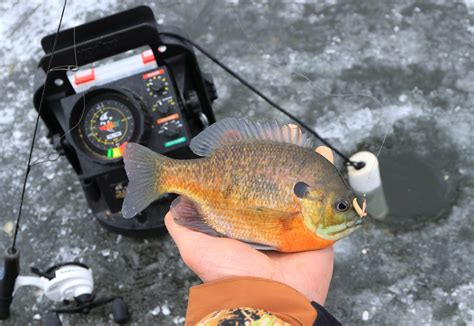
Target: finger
326,152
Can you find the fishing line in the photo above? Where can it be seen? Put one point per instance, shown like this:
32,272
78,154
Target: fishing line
313,83
28,166
75,67
347,161
41,159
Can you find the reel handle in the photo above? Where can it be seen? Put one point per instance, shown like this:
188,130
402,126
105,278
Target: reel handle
120,311
9,271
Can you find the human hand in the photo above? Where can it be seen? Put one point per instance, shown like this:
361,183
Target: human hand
213,258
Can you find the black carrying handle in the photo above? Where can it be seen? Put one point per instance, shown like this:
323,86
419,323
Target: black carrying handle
8,274
103,38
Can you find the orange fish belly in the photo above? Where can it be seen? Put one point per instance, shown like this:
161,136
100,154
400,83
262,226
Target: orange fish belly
286,234
299,238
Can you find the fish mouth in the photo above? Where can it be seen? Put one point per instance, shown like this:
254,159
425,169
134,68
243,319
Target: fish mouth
339,231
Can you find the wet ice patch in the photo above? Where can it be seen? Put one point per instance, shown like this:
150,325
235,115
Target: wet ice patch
463,297
9,227
156,311
460,127
179,320
165,310
365,315
469,4
7,116
37,19
67,254
105,252
353,126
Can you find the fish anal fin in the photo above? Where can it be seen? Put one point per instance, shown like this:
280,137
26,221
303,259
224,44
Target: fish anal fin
273,213
259,246
186,213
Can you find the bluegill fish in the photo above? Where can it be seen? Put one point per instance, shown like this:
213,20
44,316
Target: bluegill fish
261,183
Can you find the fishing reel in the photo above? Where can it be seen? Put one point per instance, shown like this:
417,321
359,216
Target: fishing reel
69,283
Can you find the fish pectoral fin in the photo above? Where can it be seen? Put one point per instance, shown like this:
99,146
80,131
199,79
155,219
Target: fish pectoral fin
186,213
273,213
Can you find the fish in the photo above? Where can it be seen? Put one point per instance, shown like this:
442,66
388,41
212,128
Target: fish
258,182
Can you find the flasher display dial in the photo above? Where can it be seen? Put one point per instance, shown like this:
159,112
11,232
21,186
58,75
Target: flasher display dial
109,122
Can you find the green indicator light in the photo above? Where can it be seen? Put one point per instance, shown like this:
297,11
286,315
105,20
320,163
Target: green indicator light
110,153
175,141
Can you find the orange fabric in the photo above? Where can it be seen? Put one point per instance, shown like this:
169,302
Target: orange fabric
277,298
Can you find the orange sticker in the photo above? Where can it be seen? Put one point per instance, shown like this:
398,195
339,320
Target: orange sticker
153,73
168,118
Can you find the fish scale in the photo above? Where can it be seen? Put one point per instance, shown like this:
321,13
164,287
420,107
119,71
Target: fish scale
245,187
238,168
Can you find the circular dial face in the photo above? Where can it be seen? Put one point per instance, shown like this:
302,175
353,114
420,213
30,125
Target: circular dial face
108,125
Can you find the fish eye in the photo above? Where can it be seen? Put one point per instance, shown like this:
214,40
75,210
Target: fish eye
342,205
301,189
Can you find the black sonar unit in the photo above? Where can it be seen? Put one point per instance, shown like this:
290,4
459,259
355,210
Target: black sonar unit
118,80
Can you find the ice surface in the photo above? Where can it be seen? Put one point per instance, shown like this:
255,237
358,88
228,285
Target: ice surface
165,310
409,64
156,311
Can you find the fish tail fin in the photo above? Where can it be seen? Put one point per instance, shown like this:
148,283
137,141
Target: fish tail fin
143,168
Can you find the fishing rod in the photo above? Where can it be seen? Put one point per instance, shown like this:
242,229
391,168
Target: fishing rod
11,263
11,260
35,132
69,282
347,160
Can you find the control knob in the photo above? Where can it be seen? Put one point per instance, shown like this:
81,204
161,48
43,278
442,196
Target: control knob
171,128
164,108
157,87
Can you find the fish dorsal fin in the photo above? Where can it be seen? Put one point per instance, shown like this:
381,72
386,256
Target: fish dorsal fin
232,130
